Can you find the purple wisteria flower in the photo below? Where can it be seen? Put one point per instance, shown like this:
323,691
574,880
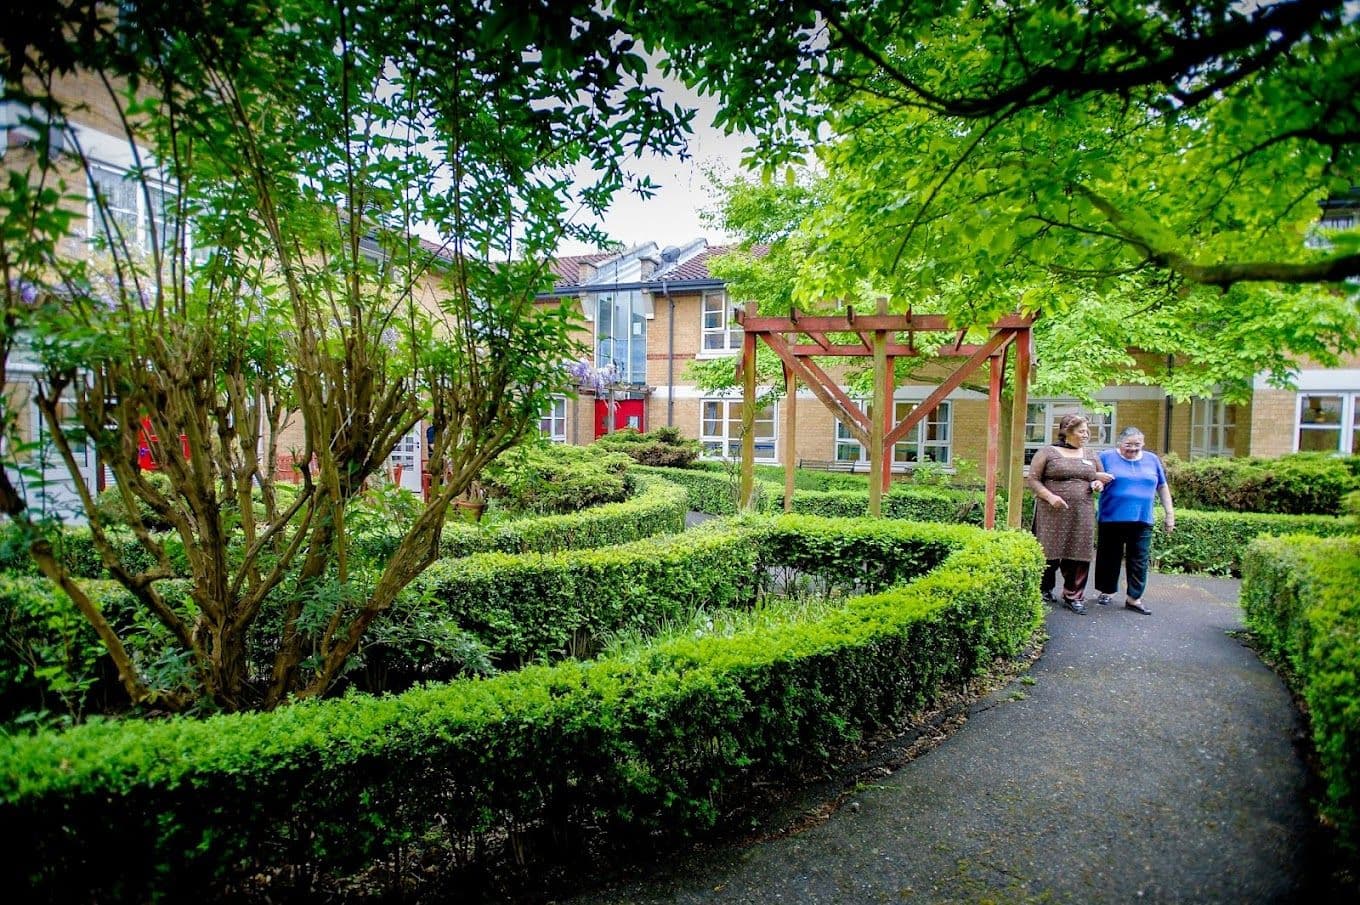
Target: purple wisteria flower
589,377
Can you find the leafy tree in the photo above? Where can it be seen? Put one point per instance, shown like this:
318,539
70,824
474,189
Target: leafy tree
284,154
1162,163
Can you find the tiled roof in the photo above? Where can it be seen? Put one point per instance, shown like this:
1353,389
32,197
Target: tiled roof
568,269
690,266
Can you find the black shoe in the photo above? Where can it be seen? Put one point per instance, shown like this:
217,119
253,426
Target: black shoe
1104,599
1077,607
1137,608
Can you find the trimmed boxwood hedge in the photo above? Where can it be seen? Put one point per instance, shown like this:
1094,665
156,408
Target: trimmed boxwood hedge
663,741
715,493
1213,542
527,607
1299,597
657,508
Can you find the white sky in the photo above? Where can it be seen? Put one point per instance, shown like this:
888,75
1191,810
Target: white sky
672,215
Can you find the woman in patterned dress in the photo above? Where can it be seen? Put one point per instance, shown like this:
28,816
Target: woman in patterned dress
1064,478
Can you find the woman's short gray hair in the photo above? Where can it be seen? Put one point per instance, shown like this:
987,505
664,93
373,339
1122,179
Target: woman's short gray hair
1129,433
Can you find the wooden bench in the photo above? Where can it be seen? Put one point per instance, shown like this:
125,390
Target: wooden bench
827,465
860,467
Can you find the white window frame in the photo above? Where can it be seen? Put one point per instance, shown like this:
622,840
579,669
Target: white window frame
726,335
913,448
727,437
1212,421
136,236
637,316
1347,428
552,424
1102,425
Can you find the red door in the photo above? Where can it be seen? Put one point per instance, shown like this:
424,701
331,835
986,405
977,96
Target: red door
627,413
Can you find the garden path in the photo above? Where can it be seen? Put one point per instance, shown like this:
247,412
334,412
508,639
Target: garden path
1141,758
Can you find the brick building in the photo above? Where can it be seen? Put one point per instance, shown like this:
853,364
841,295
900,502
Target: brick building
651,311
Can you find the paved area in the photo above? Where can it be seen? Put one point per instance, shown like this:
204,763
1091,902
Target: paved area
1141,759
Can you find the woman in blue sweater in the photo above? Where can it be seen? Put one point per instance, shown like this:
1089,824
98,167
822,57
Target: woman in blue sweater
1125,530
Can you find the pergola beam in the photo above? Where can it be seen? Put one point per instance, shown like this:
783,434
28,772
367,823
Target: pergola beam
878,339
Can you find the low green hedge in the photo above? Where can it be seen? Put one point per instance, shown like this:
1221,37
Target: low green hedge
52,662
715,492
664,741
658,507
1296,484
709,490
1213,542
921,504
1299,597
75,548
527,607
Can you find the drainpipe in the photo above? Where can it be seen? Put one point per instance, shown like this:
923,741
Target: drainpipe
670,356
1166,418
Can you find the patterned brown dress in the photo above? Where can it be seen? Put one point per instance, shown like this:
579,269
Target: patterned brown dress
1066,533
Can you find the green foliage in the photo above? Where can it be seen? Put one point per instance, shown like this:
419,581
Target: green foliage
530,607
709,490
1114,173
75,550
1298,596
664,740
302,160
1213,543
543,480
53,667
1298,484
114,511
664,447
418,643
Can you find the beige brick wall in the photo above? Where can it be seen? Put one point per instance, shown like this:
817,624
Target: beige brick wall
1272,423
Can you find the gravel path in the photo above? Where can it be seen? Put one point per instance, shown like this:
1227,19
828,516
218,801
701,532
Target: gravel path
1141,759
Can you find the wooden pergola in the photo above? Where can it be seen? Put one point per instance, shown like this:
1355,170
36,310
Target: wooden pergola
799,339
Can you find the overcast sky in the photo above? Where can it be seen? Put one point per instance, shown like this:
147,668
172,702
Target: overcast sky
671,215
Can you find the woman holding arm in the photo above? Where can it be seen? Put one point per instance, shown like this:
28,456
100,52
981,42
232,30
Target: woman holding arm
1126,518
1064,478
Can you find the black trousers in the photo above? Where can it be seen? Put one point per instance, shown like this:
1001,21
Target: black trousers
1074,572
1129,542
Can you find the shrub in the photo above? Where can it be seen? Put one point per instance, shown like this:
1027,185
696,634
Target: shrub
112,510
544,480
663,741
52,664
1298,596
658,507
75,548
1298,484
1213,542
664,447
542,607
709,490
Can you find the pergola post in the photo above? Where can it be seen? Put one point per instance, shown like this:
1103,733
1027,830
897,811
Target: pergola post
881,412
1020,405
746,489
995,368
790,433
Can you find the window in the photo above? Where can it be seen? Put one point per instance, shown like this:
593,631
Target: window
719,333
1328,422
928,441
130,209
1213,428
621,335
720,430
553,423
1041,425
